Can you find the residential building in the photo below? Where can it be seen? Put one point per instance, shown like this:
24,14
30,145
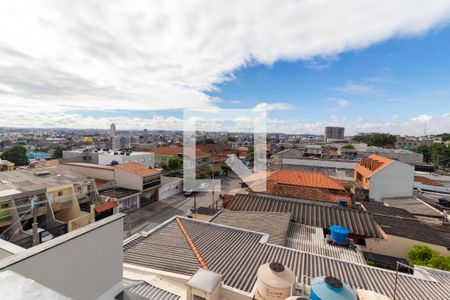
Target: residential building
162,155
403,232
411,142
334,133
53,193
303,185
6,165
384,177
141,178
234,255
107,157
112,130
121,142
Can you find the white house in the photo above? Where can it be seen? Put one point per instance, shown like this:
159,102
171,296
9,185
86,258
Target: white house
384,177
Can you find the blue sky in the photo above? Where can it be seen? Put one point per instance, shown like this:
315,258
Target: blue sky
401,77
353,63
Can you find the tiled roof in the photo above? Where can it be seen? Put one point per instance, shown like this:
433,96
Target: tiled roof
317,180
273,223
426,180
400,222
105,206
372,164
138,169
139,290
174,151
308,213
305,192
237,255
311,239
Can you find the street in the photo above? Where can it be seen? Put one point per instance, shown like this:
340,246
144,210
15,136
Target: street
150,216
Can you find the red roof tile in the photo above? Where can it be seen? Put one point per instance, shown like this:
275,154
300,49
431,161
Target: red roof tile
372,164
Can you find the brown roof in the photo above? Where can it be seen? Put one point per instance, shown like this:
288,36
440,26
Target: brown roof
138,169
105,206
427,181
174,151
309,179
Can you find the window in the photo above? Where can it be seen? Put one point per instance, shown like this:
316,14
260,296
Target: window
60,193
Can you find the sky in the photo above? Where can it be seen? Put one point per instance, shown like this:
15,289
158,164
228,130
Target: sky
310,64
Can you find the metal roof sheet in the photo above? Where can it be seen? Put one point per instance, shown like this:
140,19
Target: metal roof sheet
313,214
137,290
237,255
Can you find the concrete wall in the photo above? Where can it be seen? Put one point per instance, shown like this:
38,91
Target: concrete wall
145,158
320,163
169,187
92,172
128,180
394,180
398,246
83,264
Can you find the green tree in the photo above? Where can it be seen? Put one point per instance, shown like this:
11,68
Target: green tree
225,168
384,140
348,146
206,141
16,155
424,256
58,153
174,163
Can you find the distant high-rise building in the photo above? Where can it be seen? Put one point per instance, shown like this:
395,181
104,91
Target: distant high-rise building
112,130
334,133
121,142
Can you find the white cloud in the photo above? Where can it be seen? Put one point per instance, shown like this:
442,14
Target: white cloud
357,88
56,56
267,107
342,102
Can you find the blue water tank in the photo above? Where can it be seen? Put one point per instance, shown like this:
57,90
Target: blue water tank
342,202
339,234
330,288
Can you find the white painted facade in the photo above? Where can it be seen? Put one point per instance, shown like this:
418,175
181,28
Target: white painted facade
394,180
144,158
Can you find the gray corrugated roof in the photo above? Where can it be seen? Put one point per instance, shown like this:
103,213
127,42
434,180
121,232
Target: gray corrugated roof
237,255
28,181
313,214
311,239
399,222
137,290
274,224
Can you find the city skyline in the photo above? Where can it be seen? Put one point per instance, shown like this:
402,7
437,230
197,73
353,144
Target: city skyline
369,79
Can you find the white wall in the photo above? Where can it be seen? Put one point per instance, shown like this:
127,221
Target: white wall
128,180
84,264
144,158
169,187
394,180
92,172
320,163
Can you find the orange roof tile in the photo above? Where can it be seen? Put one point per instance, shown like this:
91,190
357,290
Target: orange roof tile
138,169
310,179
174,151
372,164
105,206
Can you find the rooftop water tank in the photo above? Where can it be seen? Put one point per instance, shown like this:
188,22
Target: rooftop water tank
330,288
339,234
274,282
342,202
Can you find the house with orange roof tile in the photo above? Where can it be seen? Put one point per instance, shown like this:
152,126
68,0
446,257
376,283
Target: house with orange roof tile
141,178
384,177
303,185
162,155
